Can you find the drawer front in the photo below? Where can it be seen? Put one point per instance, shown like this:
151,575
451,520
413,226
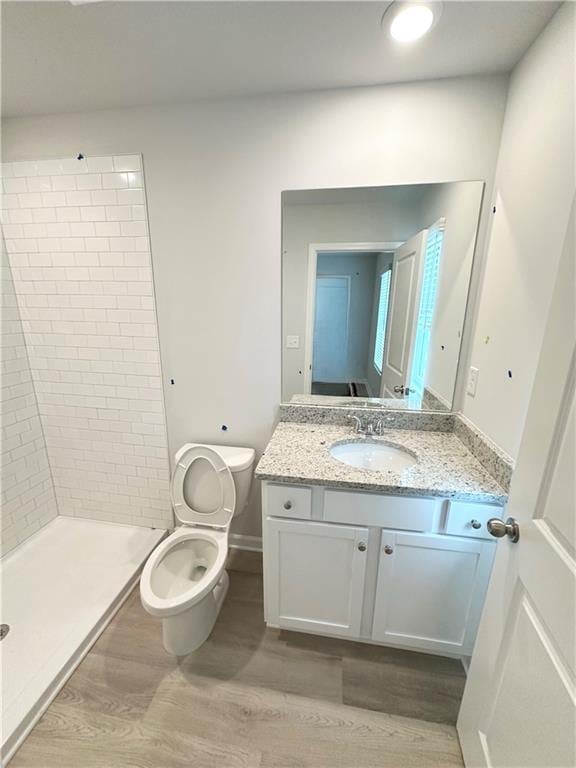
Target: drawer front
467,519
397,512
288,501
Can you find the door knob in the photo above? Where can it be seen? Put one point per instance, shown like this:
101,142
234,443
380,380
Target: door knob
476,524
399,389
388,549
362,546
499,528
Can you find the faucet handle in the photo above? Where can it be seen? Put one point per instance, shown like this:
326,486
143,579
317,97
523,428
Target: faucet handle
356,421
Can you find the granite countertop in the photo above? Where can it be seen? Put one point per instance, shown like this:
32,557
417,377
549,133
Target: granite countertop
299,453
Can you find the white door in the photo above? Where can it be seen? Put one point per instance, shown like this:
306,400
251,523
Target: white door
430,591
519,705
315,576
401,326
332,310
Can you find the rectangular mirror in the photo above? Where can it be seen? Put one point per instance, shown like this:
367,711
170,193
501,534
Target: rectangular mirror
375,286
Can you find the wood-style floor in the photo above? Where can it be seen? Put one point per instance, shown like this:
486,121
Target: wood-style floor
251,697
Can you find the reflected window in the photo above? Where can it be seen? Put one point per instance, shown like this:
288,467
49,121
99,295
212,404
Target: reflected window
381,320
427,304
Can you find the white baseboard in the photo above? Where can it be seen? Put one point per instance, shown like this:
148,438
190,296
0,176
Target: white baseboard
241,541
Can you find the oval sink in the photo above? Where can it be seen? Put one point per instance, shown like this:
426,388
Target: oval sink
372,455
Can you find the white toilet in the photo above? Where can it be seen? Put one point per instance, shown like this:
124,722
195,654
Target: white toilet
184,582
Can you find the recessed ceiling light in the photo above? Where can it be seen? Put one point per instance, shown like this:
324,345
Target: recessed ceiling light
411,20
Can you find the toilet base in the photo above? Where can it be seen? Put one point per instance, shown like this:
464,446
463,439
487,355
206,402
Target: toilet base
187,631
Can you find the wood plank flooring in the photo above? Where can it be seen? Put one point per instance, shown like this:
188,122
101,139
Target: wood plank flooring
251,697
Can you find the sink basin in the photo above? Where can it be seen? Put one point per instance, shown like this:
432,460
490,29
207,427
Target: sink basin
372,455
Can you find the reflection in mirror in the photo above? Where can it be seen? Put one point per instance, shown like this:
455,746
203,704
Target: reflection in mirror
375,285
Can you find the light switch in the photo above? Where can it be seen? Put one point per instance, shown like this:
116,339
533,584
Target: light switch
293,342
472,381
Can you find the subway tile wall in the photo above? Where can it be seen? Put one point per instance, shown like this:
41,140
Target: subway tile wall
28,499
76,233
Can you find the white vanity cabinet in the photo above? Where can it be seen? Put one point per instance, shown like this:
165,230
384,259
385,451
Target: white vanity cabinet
316,582
398,571
430,591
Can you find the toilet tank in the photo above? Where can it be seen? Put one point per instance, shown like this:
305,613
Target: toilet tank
240,462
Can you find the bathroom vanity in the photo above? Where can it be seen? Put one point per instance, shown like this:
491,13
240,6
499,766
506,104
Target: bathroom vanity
375,503
399,557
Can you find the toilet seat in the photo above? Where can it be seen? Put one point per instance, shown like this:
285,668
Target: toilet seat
221,515
156,596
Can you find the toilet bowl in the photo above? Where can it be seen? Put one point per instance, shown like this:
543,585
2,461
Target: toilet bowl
184,581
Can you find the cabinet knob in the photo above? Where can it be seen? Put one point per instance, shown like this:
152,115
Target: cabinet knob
388,549
476,524
362,546
287,505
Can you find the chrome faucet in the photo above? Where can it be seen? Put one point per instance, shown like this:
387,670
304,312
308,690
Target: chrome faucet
369,428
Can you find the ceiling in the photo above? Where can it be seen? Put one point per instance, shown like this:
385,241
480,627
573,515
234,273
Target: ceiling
59,57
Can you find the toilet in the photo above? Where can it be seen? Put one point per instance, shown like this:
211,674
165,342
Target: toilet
184,582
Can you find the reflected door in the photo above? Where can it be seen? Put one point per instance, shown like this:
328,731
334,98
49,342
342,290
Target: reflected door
332,310
401,327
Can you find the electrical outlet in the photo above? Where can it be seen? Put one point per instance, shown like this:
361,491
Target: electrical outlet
292,342
472,381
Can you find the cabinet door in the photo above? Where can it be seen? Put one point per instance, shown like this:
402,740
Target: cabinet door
314,575
430,591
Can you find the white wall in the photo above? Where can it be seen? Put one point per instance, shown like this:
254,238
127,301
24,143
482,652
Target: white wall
533,194
28,500
215,173
77,240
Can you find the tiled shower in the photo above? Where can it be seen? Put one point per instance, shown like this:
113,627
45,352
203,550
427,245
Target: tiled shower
76,233
28,498
85,470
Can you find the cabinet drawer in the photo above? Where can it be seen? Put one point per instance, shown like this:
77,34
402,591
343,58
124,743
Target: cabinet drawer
468,519
288,501
396,512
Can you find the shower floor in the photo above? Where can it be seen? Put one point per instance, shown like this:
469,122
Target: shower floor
59,590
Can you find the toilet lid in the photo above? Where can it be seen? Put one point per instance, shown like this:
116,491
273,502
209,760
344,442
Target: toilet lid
203,490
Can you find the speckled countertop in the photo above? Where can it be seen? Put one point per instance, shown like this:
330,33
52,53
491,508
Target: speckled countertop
299,453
